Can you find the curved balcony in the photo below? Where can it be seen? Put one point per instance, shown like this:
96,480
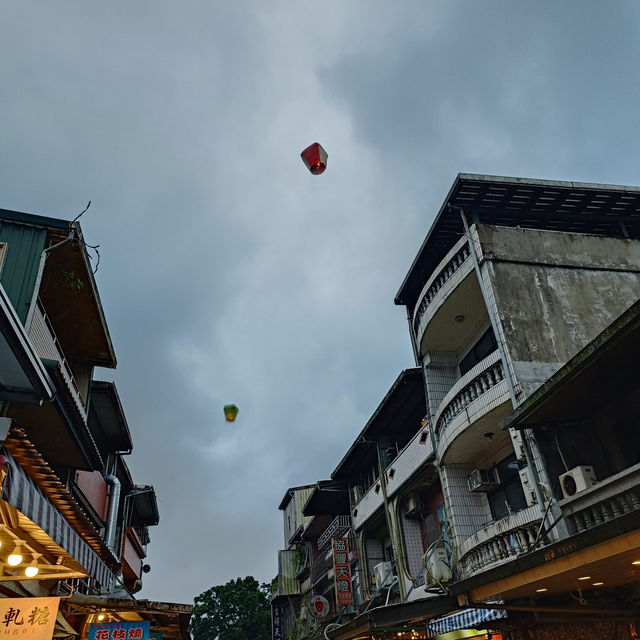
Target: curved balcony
452,263
476,399
499,542
451,272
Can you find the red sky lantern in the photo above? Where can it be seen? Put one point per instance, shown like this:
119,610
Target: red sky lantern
315,157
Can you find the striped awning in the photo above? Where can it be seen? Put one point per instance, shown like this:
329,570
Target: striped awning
19,490
465,619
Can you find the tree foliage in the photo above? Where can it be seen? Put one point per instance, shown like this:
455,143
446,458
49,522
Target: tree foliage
238,610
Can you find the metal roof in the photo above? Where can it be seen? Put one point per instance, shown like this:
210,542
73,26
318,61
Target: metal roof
575,207
107,420
28,457
327,498
399,413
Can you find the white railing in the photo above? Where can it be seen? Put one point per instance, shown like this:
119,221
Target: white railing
410,460
485,375
369,504
499,542
451,266
607,499
46,345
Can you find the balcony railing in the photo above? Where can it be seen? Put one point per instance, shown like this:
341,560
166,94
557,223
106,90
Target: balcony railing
607,499
336,529
46,344
452,265
320,566
323,562
499,542
485,375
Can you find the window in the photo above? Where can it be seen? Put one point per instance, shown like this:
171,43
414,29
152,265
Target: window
480,350
509,496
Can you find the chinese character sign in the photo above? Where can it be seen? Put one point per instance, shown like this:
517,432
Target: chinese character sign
138,630
34,617
342,571
276,622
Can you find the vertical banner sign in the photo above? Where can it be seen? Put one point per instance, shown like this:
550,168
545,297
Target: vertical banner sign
342,571
34,617
138,630
276,623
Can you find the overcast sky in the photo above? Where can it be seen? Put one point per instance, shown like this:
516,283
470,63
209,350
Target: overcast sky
228,272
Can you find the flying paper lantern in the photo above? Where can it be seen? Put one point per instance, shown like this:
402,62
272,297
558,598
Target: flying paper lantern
230,412
315,157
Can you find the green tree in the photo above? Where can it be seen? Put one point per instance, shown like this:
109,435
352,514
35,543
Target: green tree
238,610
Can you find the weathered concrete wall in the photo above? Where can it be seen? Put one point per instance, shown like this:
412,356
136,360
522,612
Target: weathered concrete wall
555,292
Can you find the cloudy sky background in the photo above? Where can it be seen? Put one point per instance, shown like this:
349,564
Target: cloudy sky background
228,272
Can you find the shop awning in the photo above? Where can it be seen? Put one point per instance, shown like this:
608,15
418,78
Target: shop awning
23,377
466,619
21,493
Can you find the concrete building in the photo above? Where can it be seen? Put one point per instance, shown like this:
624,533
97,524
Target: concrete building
498,476
514,278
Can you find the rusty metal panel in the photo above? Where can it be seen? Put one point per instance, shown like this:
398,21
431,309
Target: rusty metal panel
288,583
95,490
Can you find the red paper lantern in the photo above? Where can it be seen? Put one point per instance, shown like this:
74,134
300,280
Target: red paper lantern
315,157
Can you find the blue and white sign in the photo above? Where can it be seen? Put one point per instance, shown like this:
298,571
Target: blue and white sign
138,630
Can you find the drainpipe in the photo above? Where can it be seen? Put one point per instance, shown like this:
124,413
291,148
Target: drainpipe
36,288
414,346
112,517
503,355
396,541
420,363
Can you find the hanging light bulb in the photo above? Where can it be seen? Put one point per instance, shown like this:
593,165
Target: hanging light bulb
16,557
101,617
32,570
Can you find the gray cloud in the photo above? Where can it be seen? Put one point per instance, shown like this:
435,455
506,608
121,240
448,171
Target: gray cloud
228,272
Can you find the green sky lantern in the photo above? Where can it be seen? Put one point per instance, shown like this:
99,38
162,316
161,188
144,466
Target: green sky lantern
230,412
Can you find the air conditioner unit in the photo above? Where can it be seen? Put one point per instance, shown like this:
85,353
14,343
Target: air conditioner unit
576,480
518,444
527,487
414,505
437,569
483,480
383,574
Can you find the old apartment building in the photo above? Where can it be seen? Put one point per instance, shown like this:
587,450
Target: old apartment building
499,500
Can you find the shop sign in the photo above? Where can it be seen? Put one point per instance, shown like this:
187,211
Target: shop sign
276,622
138,630
319,607
33,617
342,571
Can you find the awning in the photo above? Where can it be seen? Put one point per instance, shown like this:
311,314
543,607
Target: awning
21,493
22,376
466,619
